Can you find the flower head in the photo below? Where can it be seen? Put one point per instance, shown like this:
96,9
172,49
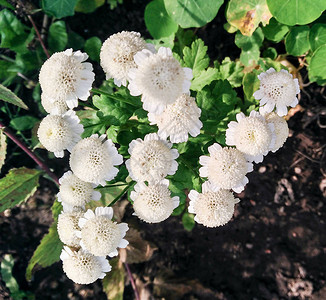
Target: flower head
99,235
58,107
277,89
151,159
93,160
159,78
153,203
226,168
57,133
117,55
75,192
82,267
66,76
178,119
67,226
212,209
252,135
281,129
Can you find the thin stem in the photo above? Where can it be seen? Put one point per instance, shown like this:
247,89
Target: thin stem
122,193
133,284
31,154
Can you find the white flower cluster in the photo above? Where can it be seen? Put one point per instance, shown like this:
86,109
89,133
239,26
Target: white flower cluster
253,137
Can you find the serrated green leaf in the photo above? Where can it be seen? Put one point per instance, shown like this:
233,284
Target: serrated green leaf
23,123
59,8
93,48
167,42
56,209
48,251
297,41
192,13
317,66
251,84
157,20
275,31
203,78
292,12
188,221
17,186
58,37
231,71
114,282
247,14
317,36
195,57
88,6
3,148
8,96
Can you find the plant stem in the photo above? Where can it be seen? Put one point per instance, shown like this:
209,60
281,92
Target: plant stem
133,284
122,193
31,154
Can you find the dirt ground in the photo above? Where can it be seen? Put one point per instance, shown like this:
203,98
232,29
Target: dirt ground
274,247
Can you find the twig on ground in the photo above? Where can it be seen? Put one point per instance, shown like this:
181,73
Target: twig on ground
133,284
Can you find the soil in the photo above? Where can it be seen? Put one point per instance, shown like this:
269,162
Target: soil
274,247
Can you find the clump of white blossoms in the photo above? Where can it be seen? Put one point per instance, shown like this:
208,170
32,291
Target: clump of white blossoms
83,267
251,135
281,129
93,160
58,107
153,203
159,78
226,168
59,132
99,235
68,225
151,159
66,76
212,208
277,89
178,119
75,192
117,55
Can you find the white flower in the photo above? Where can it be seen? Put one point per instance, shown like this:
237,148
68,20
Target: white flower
57,133
58,107
151,159
159,78
281,129
99,235
65,75
75,192
251,135
226,168
212,208
153,203
277,89
93,160
178,119
82,267
67,226
117,55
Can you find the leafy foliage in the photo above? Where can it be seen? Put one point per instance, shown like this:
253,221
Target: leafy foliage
59,8
317,66
113,283
317,36
93,47
58,37
8,96
297,42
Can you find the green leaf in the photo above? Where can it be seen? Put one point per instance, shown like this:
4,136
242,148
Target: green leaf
297,41
93,122
59,8
56,209
275,31
270,52
75,41
195,57
247,14
23,123
17,186
249,57
58,37
232,71
88,6
93,48
205,77
188,221
6,4
8,96
14,35
48,251
317,66
3,148
157,20
114,282
192,13
167,42
292,12
317,36
251,84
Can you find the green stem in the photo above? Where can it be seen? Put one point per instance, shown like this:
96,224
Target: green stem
116,199
98,91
